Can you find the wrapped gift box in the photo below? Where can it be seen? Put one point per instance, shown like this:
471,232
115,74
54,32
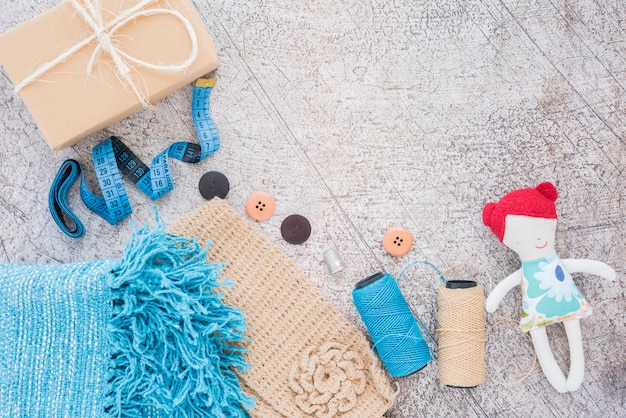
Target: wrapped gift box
67,102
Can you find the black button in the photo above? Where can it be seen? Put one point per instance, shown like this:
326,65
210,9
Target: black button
214,184
295,229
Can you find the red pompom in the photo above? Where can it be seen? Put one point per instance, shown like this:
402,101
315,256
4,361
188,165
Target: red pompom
487,211
548,190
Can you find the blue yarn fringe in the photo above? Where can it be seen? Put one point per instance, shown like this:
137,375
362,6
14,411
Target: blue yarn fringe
176,345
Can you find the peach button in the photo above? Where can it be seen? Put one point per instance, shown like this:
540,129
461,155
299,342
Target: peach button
260,206
397,241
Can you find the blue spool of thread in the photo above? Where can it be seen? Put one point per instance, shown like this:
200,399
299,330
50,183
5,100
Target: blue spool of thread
391,324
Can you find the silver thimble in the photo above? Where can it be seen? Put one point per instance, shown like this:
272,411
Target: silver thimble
333,261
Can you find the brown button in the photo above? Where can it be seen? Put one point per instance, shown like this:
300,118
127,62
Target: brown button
397,241
295,229
260,206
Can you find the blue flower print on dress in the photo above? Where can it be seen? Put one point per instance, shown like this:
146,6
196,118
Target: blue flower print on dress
549,294
562,295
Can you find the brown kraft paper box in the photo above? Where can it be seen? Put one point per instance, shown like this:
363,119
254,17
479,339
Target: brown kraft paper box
65,102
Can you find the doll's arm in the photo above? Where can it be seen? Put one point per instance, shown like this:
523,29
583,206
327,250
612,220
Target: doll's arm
498,292
598,268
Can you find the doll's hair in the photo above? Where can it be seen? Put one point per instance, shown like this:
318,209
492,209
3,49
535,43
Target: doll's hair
537,202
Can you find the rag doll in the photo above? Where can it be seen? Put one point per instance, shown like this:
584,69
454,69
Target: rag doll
525,221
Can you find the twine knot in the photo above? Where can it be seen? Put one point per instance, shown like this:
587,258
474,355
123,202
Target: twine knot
104,41
102,34
327,380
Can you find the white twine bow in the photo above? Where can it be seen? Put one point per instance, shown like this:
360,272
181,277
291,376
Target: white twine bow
91,12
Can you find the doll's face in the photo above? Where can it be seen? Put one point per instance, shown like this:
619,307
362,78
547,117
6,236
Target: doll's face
531,238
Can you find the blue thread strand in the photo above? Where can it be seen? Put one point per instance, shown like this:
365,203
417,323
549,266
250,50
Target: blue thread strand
392,326
428,263
443,281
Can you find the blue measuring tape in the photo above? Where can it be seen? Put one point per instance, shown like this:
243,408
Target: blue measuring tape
112,158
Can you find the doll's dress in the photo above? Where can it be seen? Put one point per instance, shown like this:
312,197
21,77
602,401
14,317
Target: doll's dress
549,294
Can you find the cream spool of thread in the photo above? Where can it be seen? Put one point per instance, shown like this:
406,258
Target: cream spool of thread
461,352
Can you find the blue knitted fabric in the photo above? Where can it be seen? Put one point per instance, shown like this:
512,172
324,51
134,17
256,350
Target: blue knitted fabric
53,359
144,336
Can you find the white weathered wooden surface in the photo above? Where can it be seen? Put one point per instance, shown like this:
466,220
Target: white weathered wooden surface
362,115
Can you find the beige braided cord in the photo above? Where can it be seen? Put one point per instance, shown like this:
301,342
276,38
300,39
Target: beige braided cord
306,358
461,354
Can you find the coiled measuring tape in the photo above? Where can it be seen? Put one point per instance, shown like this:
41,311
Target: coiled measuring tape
112,158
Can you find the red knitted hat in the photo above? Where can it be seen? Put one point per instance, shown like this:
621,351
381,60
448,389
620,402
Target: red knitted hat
537,202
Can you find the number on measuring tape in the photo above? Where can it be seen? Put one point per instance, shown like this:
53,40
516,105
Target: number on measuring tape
112,159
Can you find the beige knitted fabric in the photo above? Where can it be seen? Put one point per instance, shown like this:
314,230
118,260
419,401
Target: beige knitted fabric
306,358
